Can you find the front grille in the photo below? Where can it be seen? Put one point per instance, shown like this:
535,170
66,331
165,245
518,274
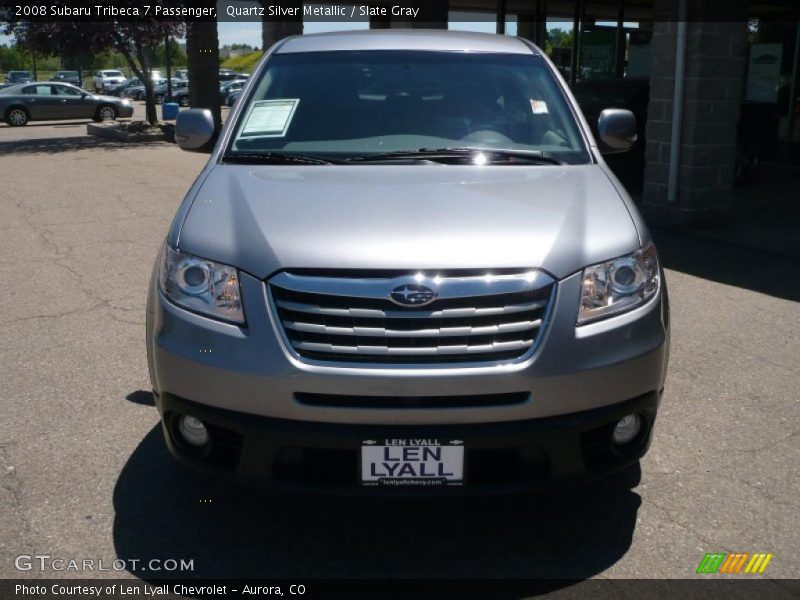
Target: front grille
474,317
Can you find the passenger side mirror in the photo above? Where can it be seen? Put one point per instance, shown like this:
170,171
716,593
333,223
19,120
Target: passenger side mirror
194,130
616,128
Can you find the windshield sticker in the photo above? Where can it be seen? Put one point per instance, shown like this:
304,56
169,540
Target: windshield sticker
539,107
270,118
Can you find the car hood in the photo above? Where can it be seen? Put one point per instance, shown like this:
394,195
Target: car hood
265,218
112,99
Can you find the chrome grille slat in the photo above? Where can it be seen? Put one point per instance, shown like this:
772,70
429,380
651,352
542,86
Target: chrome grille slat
408,314
412,333
423,350
476,319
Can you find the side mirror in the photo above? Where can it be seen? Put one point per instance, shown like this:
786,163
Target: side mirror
194,130
616,128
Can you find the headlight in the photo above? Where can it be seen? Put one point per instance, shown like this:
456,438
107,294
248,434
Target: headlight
618,285
201,285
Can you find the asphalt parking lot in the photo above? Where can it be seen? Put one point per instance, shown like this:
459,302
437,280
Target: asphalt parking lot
85,473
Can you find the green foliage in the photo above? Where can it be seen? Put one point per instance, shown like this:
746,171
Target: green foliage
14,59
244,63
559,38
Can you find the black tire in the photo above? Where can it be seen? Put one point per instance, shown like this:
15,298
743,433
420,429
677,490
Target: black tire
17,116
105,112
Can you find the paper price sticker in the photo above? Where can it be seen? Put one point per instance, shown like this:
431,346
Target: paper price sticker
270,118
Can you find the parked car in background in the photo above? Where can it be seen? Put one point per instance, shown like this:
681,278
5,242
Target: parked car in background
137,92
104,78
117,89
232,98
181,96
227,75
160,91
181,73
71,77
19,77
226,88
45,100
417,273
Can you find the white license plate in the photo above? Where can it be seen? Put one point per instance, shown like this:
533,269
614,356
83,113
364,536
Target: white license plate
411,462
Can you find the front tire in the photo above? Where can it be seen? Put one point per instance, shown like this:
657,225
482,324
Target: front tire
16,116
105,113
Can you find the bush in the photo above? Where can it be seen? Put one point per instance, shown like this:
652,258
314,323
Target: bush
244,63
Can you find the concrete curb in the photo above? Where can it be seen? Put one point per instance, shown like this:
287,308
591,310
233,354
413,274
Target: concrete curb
110,132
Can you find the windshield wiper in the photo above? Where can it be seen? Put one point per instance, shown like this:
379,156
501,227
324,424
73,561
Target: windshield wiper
265,158
491,154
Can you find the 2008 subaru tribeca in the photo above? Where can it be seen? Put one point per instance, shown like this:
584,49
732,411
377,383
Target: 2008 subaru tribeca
406,265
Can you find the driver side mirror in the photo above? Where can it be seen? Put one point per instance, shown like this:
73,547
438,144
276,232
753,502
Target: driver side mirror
616,128
195,131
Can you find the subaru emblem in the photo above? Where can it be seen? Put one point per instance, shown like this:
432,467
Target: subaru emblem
412,294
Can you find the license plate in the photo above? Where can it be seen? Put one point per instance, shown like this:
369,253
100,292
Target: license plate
412,462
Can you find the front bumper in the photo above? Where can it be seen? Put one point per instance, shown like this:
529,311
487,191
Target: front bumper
499,457
254,394
248,369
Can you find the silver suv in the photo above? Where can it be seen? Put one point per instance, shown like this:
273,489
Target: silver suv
406,265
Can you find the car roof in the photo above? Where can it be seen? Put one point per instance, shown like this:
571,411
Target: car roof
406,39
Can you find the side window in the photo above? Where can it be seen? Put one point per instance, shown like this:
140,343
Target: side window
29,90
44,90
63,90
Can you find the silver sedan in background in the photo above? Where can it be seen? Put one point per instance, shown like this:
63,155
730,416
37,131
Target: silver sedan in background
47,100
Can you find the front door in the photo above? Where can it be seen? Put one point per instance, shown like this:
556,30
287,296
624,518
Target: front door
41,102
71,102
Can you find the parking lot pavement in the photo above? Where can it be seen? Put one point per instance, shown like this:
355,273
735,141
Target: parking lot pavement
85,473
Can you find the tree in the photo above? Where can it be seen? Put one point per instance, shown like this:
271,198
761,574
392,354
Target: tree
135,41
202,54
273,31
559,38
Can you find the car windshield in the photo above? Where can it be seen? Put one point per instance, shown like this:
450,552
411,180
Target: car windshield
347,104
68,73
113,73
18,74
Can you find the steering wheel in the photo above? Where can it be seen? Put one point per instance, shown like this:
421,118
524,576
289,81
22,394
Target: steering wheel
487,133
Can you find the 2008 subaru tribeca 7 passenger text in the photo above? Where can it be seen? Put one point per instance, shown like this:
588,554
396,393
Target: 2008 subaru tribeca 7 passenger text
406,265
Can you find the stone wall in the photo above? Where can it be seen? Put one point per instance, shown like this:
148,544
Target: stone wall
715,69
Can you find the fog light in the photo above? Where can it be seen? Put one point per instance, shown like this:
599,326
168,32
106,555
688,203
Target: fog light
193,431
626,429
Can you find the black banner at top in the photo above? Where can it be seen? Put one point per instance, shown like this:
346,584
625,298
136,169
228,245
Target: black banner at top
409,12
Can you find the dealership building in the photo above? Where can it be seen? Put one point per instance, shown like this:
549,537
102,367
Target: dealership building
715,90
